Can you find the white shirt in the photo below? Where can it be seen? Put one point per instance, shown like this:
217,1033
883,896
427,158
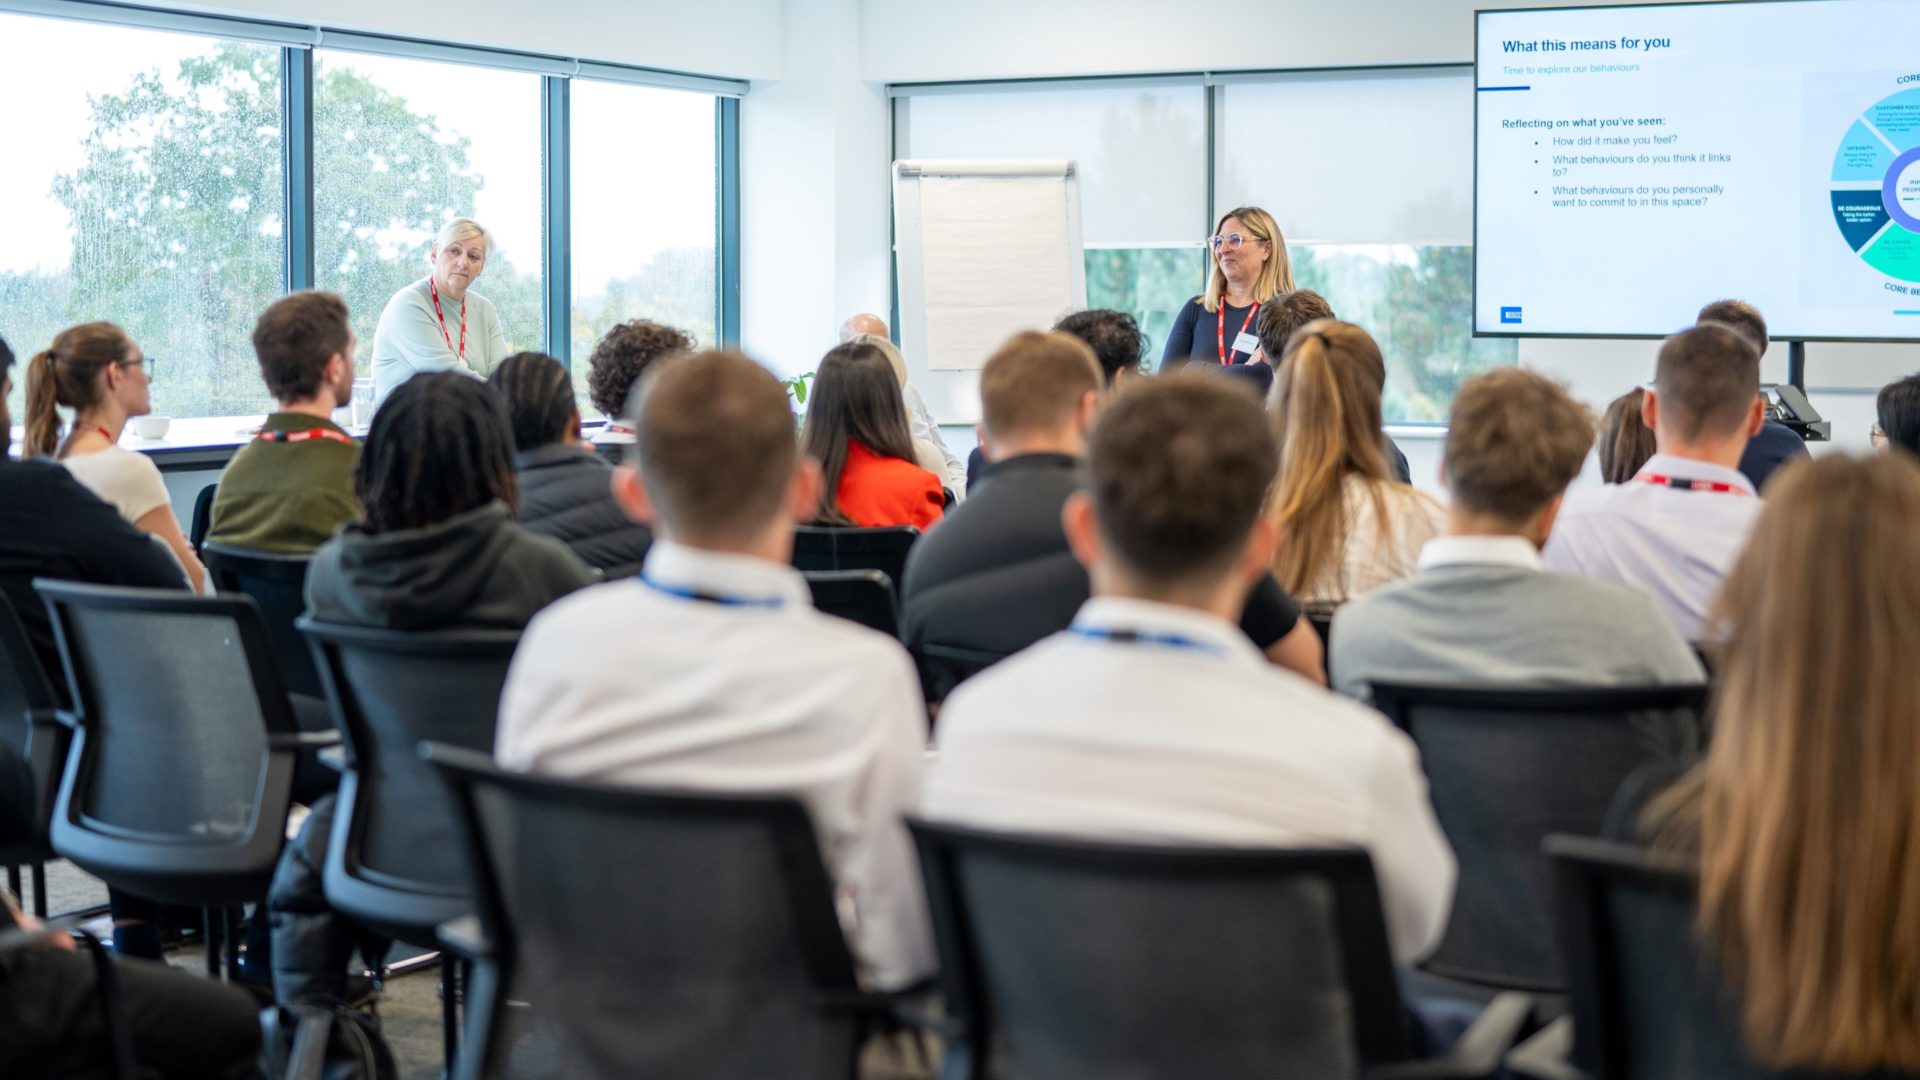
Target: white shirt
1203,742
1515,551
409,338
952,470
126,478
1676,543
1378,552
627,683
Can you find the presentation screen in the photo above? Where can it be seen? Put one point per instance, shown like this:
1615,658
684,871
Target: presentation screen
1634,163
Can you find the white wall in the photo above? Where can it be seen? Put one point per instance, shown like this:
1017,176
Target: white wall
742,39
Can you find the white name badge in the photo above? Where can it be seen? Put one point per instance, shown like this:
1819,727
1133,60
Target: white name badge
1246,343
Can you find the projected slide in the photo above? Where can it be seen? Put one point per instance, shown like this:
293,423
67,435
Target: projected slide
1633,163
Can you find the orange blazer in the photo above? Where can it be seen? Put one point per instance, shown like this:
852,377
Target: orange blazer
876,490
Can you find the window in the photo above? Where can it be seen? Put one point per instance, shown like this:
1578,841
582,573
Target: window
403,146
142,186
1370,175
1142,154
643,212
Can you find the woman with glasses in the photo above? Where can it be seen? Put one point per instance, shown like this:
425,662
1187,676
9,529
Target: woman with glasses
436,324
98,371
1250,267
1897,416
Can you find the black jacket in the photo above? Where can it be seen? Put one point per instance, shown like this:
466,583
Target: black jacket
566,492
478,570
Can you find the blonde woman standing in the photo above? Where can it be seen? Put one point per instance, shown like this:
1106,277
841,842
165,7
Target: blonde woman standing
1250,267
436,324
1346,526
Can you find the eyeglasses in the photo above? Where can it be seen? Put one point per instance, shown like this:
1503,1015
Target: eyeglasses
145,363
1231,241
1878,434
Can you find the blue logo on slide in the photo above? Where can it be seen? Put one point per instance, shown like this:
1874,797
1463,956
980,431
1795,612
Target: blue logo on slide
1510,315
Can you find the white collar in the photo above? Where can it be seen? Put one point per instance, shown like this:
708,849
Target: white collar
724,574
1514,551
1205,632
1694,469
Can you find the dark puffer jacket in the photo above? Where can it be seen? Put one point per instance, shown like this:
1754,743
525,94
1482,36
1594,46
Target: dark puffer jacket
566,492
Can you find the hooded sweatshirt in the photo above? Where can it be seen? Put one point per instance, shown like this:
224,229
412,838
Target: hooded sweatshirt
475,571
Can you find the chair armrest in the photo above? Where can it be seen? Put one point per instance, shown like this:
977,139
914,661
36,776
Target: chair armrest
1547,1055
464,937
1478,1052
304,740
335,758
67,718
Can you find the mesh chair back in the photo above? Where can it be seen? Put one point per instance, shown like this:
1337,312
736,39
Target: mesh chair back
179,781
1506,768
817,548
28,728
863,596
1648,1002
395,860
1199,962
650,934
277,582
202,521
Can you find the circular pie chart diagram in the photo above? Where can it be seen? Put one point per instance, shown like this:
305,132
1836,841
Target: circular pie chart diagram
1876,186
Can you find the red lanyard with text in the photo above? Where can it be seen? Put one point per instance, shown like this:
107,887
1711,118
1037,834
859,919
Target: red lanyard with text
303,436
435,289
1220,328
1680,483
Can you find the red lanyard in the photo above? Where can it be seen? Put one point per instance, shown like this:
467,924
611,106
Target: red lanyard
303,436
435,289
1221,329
105,434
1679,483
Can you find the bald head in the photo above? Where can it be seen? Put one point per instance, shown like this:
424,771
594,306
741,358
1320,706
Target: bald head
862,323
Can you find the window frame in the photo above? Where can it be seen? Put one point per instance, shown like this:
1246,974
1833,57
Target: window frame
296,43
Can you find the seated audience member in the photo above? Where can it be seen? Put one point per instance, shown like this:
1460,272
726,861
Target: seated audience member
1625,442
566,490
1117,344
712,670
1897,416
1803,813
1276,325
856,428
1775,444
925,453
52,527
997,575
1349,526
99,372
1151,719
439,550
619,359
291,488
920,423
1482,608
1676,527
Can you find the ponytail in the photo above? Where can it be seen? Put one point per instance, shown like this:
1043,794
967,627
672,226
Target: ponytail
42,419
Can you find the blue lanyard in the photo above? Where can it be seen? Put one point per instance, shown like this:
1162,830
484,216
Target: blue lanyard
769,602
1142,637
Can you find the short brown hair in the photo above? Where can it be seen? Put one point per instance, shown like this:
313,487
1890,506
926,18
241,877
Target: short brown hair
1515,440
714,442
1034,382
1743,317
295,337
1284,314
1706,379
1180,468
621,356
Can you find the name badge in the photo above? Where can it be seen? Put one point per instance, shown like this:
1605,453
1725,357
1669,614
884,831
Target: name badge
1246,343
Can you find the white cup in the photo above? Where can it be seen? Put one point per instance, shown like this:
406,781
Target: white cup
151,427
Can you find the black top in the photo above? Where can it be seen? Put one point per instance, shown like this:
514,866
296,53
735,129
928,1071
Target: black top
1195,337
566,492
997,575
53,527
1773,447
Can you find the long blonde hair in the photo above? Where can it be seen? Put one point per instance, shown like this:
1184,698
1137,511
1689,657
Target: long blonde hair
1807,808
1276,274
1326,413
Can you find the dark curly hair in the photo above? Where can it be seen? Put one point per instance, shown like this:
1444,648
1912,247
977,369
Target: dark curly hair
1112,335
440,446
622,355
